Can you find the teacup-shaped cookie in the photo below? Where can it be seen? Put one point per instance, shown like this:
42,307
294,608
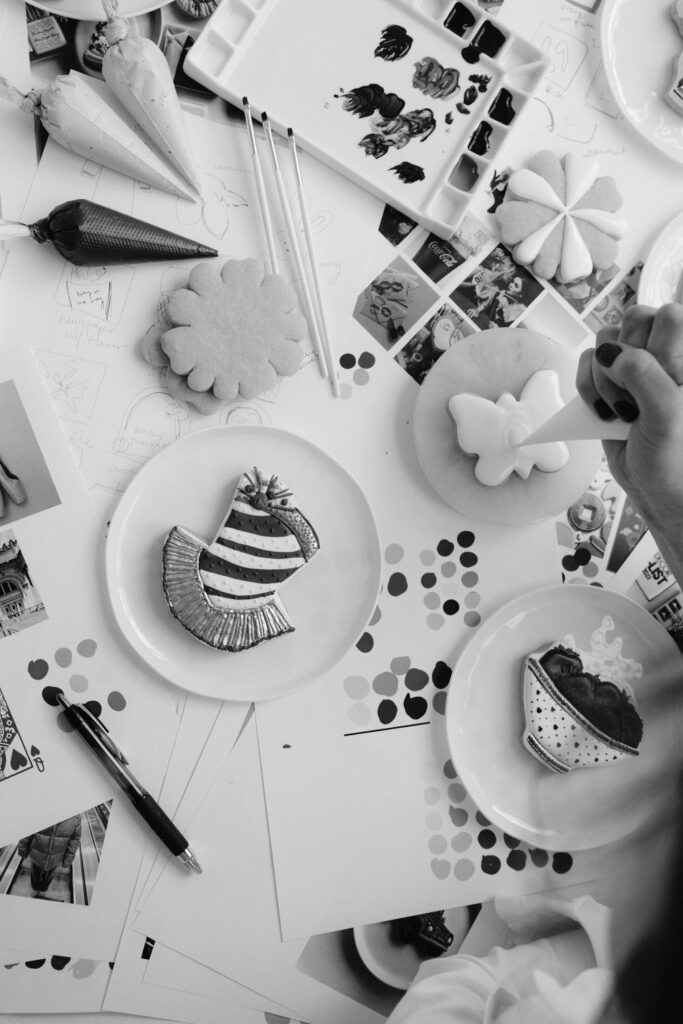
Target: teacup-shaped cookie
605,728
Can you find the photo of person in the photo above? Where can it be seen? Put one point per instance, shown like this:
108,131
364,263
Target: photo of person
443,330
57,863
579,293
21,605
26,486
498,292
393,302
394,225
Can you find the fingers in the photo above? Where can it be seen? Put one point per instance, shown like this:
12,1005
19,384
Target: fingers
586,387
655,398
666,339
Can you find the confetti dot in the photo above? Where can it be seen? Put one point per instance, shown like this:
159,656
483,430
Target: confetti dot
539,858
397,584
468,559
461,842
472,618
394,553
347,361
49,695
94,707
415,707
445,548
449,770
486,838
437,844
416,679
569,563
458,816
366,360
63,657
428,579
386,711
345,390
463,869
510,841
38,669
432,600
451,607
427,557
432,795
386,684
449,569
441,868
482,819
490,865
439,703
400,665
562,862
456,792
435,621
87,648
590,570
361,377
465,539
434,821
582,556
359,714
441,675
365,644
78,683
59,962
469,579
472,599
516,859
356,687
376,616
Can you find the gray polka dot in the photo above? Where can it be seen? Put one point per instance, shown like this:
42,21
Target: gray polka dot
472,618
590,570
463,869
441,868
470,579
376,616
361,376
439,702
345,390
431,795
359,714
386,684
86,648
427,557
459,816
116,701
435,621
78,683
448,569
456,793
472,599
394,553
434,821
461,842
63,657
437,844
356,687
432,600
400,665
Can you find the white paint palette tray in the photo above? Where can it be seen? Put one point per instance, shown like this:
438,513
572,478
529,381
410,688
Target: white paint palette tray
412,99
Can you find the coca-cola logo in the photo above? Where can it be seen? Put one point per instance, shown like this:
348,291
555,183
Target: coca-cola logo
446,256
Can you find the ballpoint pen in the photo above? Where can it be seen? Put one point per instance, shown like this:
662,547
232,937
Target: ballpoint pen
97,737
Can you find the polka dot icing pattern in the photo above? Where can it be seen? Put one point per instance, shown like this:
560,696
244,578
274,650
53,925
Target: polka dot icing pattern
494,432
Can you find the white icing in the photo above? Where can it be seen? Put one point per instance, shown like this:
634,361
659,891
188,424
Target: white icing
575,261
495,431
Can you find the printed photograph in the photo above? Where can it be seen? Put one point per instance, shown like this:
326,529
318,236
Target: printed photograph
26,485
443,330
393,302
609,310
394,225
498,292
21,605
579,293
14,757
59,863
374,964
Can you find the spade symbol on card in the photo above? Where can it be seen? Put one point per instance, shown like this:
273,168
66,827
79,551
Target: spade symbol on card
37,759
17,761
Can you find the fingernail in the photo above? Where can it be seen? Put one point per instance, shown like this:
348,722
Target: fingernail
603,410
607,353
626,410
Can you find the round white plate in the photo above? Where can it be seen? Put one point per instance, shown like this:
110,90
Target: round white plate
92,10
639,41
661,279
394,963
191,483
588,807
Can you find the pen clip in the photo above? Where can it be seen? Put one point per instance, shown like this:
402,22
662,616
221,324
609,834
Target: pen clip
101,731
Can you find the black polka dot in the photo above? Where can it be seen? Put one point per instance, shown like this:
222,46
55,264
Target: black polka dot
562,862
348,361
516,859
366,643
569,563
510,841
465,539
94,707
366,360
468,559
441,675
490,865
386,711
415,707
483,820
445,548
451,607
486,838
582,556
428,579
397,584
539,858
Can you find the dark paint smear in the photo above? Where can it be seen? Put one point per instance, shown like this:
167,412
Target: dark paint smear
459,20
480,142
394,43
464,174
409,173
501,109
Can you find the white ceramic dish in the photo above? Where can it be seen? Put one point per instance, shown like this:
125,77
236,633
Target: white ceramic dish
661,279
92,10
397,964
484,719
191,484
639,41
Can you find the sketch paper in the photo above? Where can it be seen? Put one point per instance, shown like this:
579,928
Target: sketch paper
55,631
16,129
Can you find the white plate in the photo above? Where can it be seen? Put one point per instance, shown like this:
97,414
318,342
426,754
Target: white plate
484,720
394,963
191,483
639,41
661,279
92,10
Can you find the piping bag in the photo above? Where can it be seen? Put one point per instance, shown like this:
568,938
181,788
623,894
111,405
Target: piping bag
77,116
88,234
138,74
576,421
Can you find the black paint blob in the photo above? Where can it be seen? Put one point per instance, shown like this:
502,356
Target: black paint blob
516,859
480,142
486,839
464,174
501,109
366,360
459,20
347,361
408,173
394,43
562,862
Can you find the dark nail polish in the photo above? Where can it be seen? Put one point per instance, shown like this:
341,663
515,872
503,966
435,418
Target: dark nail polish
607,353
626,411
603,410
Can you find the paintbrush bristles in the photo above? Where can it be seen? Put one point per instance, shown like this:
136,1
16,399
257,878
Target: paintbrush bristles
260,188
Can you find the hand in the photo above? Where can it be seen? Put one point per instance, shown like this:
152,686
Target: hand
635,373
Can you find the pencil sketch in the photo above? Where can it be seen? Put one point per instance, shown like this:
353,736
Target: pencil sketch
152,420
73,384
98,292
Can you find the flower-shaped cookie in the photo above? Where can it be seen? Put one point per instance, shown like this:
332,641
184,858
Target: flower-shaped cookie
233,332
559,218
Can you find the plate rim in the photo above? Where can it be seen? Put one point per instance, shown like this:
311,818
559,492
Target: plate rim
122,509
606,15
672,228
67,9
495,621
